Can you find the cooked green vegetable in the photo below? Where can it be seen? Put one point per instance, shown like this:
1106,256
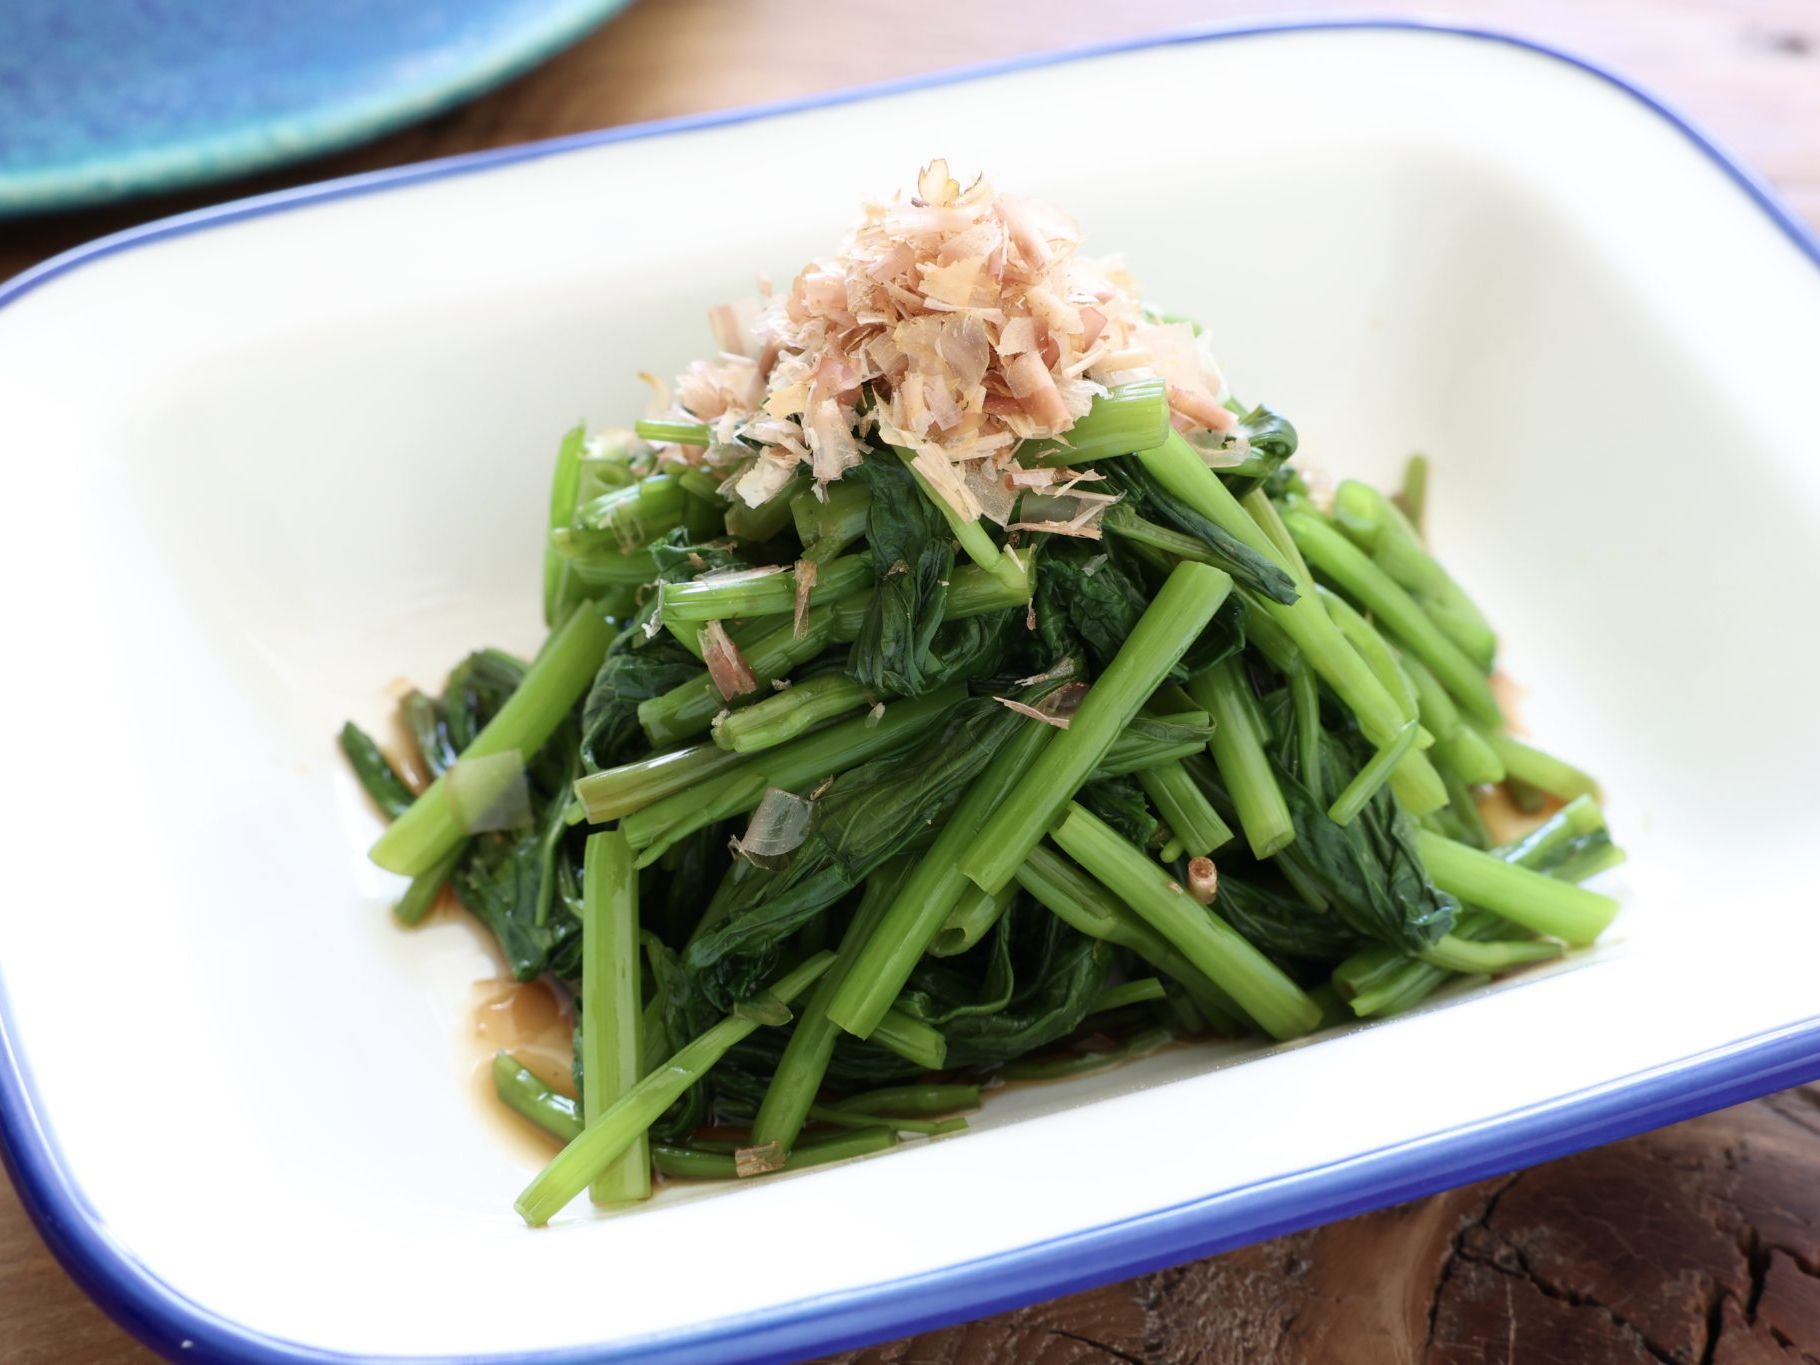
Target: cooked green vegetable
912,725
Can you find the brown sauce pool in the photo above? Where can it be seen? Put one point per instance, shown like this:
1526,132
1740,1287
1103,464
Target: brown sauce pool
531,1020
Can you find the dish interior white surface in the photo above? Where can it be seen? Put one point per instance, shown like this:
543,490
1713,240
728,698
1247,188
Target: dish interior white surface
261,470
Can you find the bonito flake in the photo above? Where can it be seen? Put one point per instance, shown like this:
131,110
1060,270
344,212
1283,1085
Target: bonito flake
952,325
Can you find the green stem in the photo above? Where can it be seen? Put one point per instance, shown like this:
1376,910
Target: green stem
1147,743
375,772
800,1071
1181,802
769,518
1177,614
1376,772
613,792
917,912
1374,524
1176,466
421,894
691,1163
689,708
595,564
760,593
1125,418
1580,816
1226,957
1238,752
1076,899
1469,756
911,1039
972,918
610,1005
1414,495
602,1142
1486,959
1553,775
793,766
1537,902
674,433
1374,650
626,518
975,542
827,527
1138,992
520,1090
914,1100
565,487
1347,566
1305,701
562,672
777,719
1084,1063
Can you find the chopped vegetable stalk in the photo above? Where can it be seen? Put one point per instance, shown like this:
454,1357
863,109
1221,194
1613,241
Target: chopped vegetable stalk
1175,617
914,1100
1580,816
1552,775
375,772
762,592
1469,756
1253,980
798,1075
1139,992
1486,959
1089,907
1375,651
1347,566
1186,809
622,1123
425,833
626,518
1413,497
768,519
792,766
610,1005
780,718
972,918
613,792
828,525
688,709
674,433
1125,418
690,1163
1238,751
1374,524
915,916
1080,1064
425,887
595,565
1376,772
521,1091
1540,904
565,487
1152,740
1175,465
911,1039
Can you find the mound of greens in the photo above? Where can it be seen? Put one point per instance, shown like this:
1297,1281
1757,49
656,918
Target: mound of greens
832,810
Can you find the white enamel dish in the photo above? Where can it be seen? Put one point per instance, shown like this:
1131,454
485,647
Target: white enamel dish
267,458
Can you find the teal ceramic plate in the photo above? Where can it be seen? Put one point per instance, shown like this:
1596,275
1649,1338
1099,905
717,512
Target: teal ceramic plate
105,99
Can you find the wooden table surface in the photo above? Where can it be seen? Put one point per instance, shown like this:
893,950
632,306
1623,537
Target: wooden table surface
1700,1243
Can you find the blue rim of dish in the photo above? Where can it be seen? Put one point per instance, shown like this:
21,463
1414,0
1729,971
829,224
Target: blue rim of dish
253,147
1738,1071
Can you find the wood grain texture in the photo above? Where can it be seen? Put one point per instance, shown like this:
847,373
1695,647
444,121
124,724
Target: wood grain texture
1700,1243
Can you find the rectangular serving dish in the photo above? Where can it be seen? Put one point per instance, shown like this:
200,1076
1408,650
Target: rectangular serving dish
269,456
